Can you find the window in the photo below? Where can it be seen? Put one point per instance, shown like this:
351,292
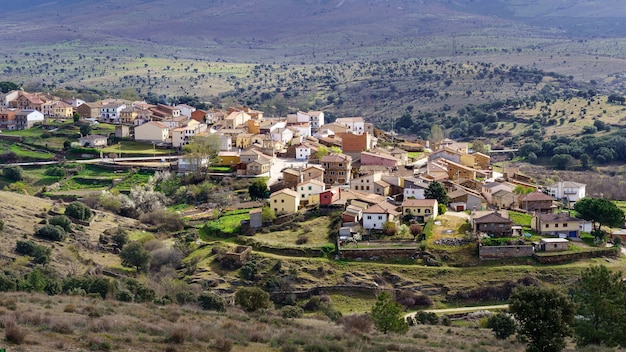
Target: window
340,164
427,211
564,225
380,217
407,210
275,200
368,188
369,217
310,188
303,196
419,210
556,225
282,201
547,225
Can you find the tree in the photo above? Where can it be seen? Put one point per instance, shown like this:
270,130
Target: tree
544,316
436,135
415,229
61,221
134,255
503,325
601,299
519,189
585,161
389,228
258,189
252,298
479,146
7,86
51,232
436,191
76,117
85,129
201,150
13,173
67,145
600,211
387,315
561,161
212,301
322,151
78,210
267,214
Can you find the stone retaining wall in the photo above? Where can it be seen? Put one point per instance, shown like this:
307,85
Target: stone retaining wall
503,252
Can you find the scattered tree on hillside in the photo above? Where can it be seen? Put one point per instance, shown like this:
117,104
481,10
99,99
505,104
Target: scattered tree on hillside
135,256
436,191
51,232
252,298
502,324
85,129
201,150
601,212
267,214
436,135
387,315
13,173
78,210
544,316
7,86
258,189
601,298
61,221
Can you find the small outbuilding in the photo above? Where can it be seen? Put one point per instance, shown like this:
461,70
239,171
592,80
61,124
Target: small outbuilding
553,245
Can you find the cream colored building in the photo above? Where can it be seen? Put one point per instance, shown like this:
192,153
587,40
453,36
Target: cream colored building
152,132
285,201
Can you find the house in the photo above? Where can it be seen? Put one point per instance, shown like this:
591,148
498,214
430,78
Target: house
163,111
494,224
8,97
332,129
388,161
152,131
352,214
553,245
243,140
537,202
129,114
186,110
314,118
57,108
182,135
504,199
466,199
200,116
7,118
111,112
93,141
27,118
309,191
74,102
259,167
377,215
28,101
353,124
285,201
488,189
457,171
556,225
227,158
304,151
482,160
236,118
313,172
366,183
356,143
122,131
330,196
337,168
447,154
572,191
420,209
414,188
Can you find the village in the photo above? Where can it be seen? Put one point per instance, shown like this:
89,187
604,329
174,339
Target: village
382,189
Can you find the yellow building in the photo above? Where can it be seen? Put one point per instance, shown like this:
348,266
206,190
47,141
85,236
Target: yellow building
457,171
422,209
467,160
285,201
244,140
226,158
482,160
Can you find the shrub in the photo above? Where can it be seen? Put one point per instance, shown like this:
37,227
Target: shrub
124,295
134,255
302,239
249,270
78,210
51,232
291,312
55,171
13,333
222,344
503,325
1,225
61,221
357,322
164,220
410,299
252,298
168,256
13,173
212,301
442,209
427,318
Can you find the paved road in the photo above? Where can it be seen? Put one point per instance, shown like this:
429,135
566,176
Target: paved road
460,310
97,160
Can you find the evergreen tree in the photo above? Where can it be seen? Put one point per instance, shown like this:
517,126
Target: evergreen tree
387,315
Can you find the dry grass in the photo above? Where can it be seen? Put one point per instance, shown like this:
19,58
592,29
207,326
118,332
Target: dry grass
316,231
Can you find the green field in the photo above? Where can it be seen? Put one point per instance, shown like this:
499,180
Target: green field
128,147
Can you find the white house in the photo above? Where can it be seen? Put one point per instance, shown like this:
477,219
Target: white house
283,135
414,187
375,216
111,112
27,118
93,141
573,191
317,119
152,132
182,135
303,152
185,109
355,125
310,190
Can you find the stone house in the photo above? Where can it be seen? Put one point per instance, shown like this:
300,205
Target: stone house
536,202
494,224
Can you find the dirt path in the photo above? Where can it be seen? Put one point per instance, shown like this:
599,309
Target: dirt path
460,310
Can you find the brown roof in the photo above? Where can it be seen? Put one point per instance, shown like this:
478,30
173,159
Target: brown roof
492,218
381,208
558,217
334,158
419,202
285,191
535,196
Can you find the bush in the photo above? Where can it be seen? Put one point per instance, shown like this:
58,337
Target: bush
1,225
55,171
41,254
503,325
13,333
361,323
291,312
13,173
302,239
211,301
78,210
223,344
252,298
442,209
427,318
164,220
61,221
51,232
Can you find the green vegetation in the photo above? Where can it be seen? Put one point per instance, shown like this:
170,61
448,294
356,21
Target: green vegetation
387,315
521,219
